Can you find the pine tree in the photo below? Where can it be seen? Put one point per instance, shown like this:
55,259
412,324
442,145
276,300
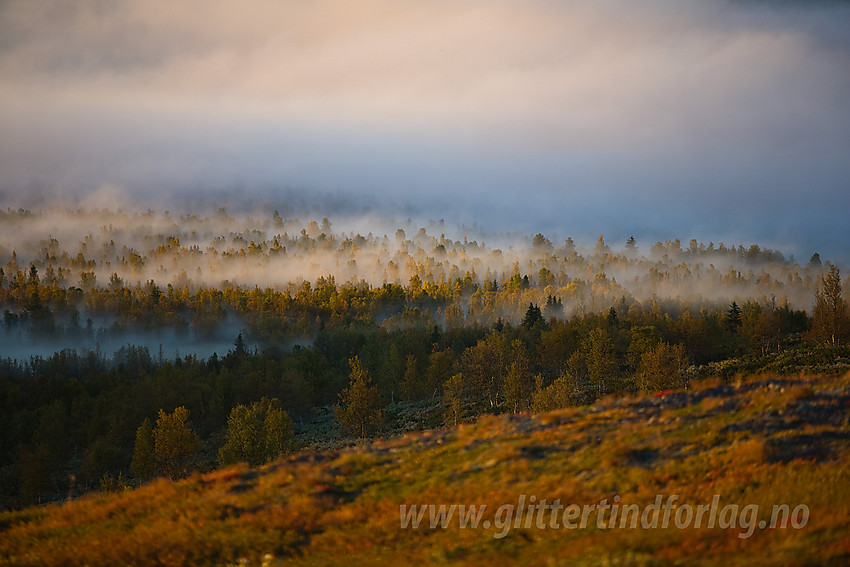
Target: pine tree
532,317
815,261
540,242
554,307
601,248
733,318
499,325
239,346
32,279
611,319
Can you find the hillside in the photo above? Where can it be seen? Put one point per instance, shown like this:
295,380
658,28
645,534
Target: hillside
762,441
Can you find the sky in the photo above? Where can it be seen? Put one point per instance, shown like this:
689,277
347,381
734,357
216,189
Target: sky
710,119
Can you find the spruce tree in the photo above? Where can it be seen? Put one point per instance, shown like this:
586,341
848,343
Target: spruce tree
733,318
532,317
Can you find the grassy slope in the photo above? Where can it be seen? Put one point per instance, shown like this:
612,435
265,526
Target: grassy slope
767,440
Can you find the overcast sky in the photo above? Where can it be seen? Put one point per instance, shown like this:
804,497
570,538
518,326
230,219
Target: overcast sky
720,120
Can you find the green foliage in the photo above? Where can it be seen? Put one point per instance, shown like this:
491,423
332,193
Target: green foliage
545,277
412,386
359,412
143,464
553,308
112,483
484,367
594,365
440,364
662,367
519,385
557,395
176,446
733,317
454,395
256,434
239,346
643,339
79,413
532,317
277,430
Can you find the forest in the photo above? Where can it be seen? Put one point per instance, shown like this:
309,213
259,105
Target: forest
144,345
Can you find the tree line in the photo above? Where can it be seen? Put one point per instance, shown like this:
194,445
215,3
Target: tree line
79,421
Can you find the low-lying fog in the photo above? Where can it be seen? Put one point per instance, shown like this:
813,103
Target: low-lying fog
108,249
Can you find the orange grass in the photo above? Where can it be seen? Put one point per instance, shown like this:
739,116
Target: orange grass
342,507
